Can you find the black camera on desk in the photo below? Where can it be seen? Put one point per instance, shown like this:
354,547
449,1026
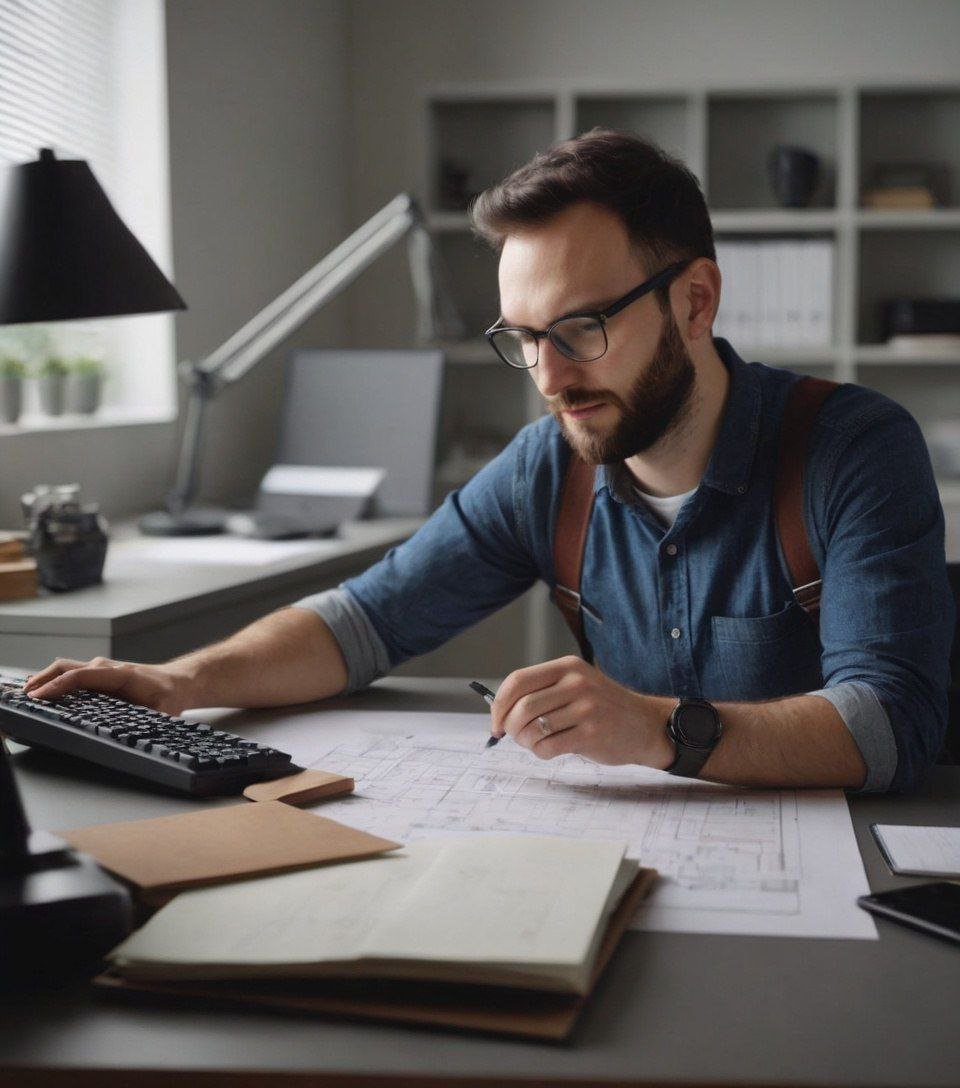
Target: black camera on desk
68,538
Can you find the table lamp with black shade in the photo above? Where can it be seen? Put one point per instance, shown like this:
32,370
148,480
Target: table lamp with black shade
65,255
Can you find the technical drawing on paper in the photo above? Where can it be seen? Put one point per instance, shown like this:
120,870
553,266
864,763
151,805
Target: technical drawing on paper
730,860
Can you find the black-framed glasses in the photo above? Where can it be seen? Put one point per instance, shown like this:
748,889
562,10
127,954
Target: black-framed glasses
580,336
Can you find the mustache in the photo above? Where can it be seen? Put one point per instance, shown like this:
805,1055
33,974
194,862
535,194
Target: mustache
577,398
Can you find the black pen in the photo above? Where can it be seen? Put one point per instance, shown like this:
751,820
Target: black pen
489,696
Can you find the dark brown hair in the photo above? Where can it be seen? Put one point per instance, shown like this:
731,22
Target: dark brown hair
656,197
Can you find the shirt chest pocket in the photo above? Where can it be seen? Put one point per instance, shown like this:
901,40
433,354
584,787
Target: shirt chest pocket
766,657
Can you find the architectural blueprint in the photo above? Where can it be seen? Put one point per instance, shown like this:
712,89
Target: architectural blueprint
773,862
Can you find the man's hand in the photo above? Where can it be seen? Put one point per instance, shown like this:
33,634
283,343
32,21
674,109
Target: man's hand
156,686
567,706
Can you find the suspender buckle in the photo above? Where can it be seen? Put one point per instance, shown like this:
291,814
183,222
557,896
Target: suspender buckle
808,596
571,601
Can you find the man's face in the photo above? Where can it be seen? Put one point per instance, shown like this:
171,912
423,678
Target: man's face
626,401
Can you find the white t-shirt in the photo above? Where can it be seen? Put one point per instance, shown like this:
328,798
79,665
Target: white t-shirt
666,508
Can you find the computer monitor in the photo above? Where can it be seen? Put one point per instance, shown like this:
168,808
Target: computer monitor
366,409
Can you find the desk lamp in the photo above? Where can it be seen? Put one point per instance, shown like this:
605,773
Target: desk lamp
436,318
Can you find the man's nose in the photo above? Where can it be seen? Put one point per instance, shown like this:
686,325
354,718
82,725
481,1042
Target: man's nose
554,372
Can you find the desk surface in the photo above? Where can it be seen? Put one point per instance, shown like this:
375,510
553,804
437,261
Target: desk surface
164,596
671,1008
139,587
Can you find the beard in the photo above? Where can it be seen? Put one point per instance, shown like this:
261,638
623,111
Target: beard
657,402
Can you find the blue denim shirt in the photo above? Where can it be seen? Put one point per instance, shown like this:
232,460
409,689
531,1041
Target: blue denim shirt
713,617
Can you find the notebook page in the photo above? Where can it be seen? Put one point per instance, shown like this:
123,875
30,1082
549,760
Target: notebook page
499,899
310,916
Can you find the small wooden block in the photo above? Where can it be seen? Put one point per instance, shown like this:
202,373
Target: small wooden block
300,789
11,548
18,579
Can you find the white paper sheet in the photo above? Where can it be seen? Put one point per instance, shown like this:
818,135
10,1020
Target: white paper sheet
767,862
225,549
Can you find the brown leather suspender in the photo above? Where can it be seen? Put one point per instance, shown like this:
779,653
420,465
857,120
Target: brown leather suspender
569,542
806,397
576,504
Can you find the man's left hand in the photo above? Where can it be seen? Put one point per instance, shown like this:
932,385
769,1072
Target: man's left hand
567,706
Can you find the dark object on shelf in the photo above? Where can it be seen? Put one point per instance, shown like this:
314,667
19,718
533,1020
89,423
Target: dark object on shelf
455,193
68,540
921,316
794,173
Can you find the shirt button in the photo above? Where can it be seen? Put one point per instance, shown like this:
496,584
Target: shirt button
671,549
675,633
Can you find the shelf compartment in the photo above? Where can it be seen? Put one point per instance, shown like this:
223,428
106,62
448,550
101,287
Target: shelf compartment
478,142
664,120
482,408
912,126
743,129
903,263
471,268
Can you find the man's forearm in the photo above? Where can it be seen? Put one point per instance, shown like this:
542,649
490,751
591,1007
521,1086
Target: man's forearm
289,656
797,741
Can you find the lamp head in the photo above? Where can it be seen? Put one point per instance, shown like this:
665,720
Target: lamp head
66,255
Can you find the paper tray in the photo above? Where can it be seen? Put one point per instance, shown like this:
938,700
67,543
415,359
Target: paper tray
499,1010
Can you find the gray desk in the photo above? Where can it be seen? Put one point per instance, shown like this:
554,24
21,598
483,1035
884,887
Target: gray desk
671,1008
150,610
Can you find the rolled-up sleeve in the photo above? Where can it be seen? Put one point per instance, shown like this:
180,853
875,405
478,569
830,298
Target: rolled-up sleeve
887,613
468,560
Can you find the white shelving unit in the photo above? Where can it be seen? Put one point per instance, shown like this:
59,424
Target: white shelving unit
475,135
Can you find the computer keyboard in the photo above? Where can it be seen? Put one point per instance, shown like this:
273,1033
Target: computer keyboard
185,756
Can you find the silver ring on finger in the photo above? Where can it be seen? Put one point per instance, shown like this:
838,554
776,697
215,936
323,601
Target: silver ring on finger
544,724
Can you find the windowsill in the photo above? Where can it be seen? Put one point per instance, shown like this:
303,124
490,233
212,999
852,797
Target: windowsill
106,417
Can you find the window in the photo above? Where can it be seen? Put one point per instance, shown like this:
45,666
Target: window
88,79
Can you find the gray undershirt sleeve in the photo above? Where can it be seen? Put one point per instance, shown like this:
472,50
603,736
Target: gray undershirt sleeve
863,714
362,648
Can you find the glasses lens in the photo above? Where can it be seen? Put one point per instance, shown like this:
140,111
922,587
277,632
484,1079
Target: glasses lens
580,338
516,347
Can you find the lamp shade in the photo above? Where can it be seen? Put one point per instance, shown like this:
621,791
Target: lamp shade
65,254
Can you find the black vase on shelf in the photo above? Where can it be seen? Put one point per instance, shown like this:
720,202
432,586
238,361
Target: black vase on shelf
794,173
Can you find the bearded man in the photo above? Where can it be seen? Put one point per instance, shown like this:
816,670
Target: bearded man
699,658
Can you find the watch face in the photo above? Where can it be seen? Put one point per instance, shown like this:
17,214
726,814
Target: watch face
697,725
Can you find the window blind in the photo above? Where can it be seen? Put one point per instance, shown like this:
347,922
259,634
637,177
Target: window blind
58,81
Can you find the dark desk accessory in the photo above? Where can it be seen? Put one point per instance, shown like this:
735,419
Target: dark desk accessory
68,538
794,173
59,911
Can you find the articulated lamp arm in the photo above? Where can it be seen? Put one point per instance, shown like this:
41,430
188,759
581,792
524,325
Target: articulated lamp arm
437,318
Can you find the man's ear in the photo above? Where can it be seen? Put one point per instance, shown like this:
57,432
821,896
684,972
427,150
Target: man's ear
699,298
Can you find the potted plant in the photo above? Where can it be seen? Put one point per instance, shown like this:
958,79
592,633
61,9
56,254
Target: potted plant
53,379
87,374
12,373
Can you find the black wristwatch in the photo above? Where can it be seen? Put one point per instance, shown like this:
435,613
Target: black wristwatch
694,727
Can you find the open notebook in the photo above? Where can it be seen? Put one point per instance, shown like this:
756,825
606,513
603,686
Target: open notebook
524,911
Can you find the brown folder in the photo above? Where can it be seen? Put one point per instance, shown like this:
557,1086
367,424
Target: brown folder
498,1010
165,855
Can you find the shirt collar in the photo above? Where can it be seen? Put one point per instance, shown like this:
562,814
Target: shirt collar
735,449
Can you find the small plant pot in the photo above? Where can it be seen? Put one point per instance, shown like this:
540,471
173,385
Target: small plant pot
52,387
86,392
11,399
